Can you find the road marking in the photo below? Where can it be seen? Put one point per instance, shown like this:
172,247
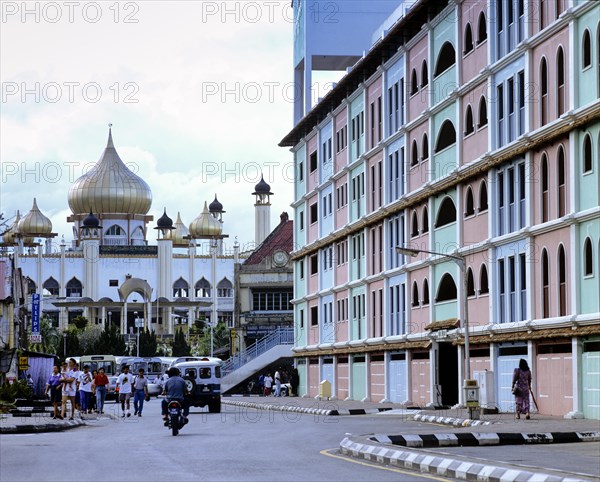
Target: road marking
390,469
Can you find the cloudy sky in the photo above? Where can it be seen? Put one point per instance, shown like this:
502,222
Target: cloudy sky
199,95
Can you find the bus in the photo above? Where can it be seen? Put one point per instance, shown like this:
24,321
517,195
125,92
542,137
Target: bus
152,366
95,362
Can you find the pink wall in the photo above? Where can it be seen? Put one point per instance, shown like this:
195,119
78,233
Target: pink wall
549,50
479,304
551,241
554,384
342,380
422,240
419,315
373,196
475,60
375,259
313,378
418,102
341,215
373,313
551,153
479,363
544,10
373,92
341,158
475,226
475,144
313,228
312,179
377,388
417,175
313,331
341,329
421,389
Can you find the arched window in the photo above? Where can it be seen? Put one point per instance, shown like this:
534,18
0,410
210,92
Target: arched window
483,118
446,214
51,287
483,280
468,39
542,14
424,74
588,258
562,281
560,7
446,289
31,286
469,203
115,230
425,292
74,288
181,288
544,186
202,288
425,147
224,288
414,84
445,59
415,154
469,124
544,90
425,220
562,194
470,283
481,29
415,294
561,100
446,136
587,153
545,285
586,50
414,230
483,197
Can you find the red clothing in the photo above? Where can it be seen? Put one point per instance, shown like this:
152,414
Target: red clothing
101,380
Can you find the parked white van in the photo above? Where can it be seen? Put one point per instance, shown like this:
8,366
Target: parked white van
203,380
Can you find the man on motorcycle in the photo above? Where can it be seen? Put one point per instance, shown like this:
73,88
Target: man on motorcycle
175,389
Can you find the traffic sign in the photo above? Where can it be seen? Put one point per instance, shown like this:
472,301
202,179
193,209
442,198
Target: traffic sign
139,322
35,338
23,363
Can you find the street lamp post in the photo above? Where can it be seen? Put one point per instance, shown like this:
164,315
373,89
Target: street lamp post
137,325
65,345
462,264
109,320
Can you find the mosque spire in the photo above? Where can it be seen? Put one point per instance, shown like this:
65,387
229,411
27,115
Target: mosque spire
110,141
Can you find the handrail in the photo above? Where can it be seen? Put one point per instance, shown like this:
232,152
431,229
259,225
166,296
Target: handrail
280,336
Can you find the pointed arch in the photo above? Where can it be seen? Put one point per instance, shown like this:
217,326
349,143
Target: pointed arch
446,58
562,281
483,196
588,258
224,288
468,39
469,203
469,123
31,286
424,74
544,91
446,213
425,292
446,289
425,147
483,117
74,288
481,29
545,284
586,49
181,288
425,222
414,225
561,94
415,294
470,283
446,136
115,230
414,83
545,195
561,178
587,153
202,288
414,154
51,287
483,280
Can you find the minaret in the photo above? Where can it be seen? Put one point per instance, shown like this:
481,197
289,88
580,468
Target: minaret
262,211
90,237
164,226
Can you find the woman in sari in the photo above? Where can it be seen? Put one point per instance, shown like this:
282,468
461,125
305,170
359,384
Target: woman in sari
521,389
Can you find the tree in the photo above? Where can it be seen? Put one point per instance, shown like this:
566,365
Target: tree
180,346
110,342
220,339
148,343
88,339
80,322
50,337
72,343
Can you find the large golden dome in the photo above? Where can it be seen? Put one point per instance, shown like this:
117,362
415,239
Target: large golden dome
110,188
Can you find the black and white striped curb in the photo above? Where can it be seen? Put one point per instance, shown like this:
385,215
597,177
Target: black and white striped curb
479,439
280,408
457,422
443,466
41,427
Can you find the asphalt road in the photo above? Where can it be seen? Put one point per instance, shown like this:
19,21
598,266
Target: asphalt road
238,444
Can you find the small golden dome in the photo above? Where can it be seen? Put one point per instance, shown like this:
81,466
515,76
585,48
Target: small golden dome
205,225
110,188
179,233
9,236
34,222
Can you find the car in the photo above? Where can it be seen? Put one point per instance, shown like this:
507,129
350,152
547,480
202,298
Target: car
203,381
155,387
112,393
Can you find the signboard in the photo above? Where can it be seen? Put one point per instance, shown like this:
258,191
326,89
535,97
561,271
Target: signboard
35,314
35,338
23,363
139,322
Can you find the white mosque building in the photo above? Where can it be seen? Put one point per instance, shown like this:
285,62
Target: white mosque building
118,267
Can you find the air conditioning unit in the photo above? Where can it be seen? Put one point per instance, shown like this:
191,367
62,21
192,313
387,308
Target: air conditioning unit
487,392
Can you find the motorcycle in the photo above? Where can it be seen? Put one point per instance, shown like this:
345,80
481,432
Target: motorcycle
175,419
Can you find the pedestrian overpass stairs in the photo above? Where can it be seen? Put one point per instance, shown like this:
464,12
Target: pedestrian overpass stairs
266,351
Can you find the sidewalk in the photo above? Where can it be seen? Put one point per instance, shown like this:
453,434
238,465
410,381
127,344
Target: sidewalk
37,423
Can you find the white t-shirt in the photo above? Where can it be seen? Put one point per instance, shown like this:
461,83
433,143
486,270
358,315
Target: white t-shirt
70,386
124,382
277,377
85,382
268,382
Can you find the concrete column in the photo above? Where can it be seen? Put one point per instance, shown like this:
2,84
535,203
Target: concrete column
576,380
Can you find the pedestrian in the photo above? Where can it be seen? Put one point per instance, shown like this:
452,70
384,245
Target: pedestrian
29,382
268,381
261,384
85,389
278,382
69,387
77,373
54,391
101,385
521,384
295,381
93,402
124,386
140,392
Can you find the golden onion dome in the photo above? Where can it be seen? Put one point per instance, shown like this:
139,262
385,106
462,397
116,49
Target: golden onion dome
34,222
205,225
10,235
110,188
180,232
